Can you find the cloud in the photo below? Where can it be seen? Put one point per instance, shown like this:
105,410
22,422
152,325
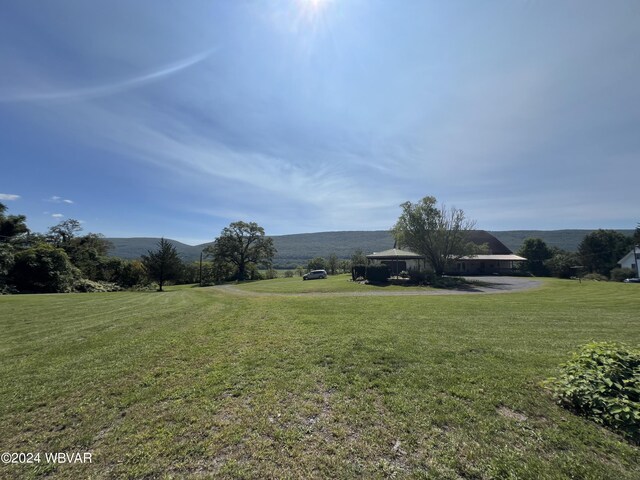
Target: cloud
57,215
84,93
9,196
57,199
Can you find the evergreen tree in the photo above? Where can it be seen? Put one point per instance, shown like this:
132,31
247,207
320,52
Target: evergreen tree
162,264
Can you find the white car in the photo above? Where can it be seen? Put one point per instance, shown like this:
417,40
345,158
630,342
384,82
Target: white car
314,274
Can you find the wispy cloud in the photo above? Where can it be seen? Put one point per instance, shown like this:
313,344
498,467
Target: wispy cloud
57,199
57,215
9,196
84,93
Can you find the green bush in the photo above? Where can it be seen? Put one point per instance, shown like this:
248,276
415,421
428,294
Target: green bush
358,271
288,274
619,274
84,285
417,277
602,383
447,282
378,273
43,269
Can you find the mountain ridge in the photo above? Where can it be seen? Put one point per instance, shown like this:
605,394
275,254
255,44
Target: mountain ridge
298,248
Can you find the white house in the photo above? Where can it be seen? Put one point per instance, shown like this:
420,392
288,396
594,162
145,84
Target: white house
631,260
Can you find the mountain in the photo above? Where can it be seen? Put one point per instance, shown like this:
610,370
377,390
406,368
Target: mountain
298,248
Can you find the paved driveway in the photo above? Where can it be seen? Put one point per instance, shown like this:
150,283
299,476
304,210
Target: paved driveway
489,284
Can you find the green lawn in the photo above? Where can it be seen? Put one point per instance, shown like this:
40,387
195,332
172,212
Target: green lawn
196,382
331,284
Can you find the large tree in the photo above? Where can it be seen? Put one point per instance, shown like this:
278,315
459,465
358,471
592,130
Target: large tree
244,245
437,232
600,250
536,251
11,226
13,230
43,269
162,264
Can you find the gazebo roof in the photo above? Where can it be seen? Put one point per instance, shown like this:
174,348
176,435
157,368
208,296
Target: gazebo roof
395,254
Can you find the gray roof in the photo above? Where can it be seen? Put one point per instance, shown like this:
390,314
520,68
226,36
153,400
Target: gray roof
511,257
395,253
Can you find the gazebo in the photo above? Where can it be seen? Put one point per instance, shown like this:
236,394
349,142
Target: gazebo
397,260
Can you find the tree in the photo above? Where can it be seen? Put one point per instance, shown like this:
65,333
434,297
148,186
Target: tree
563,264
600,250
358,258
438,233
11,226
245,246
317,263
332,264
43,269
60,235
345,266
162,264
536,251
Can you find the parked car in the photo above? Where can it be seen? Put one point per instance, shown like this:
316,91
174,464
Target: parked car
632,280
315,274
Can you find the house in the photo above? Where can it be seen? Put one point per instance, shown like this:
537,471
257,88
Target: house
631,260
498,259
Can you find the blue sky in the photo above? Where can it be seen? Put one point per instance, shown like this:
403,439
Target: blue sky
174,119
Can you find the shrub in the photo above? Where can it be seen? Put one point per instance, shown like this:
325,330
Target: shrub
595,276
378,273
271,274
619,274
602,383
84,285
43,269
561,264
358,271
447,282
288,274
418,278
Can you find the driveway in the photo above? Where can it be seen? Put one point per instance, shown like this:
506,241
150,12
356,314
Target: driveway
488,284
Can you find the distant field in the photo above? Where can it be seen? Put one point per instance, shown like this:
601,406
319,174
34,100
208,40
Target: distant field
198,383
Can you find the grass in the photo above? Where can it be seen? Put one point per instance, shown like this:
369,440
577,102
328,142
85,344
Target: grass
331,284
194,382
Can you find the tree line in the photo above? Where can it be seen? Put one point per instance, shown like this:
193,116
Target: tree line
597,256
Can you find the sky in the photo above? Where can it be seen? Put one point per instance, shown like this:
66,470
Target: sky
174,119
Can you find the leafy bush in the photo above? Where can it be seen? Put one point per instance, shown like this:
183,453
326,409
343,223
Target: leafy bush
602,383
358,271
562,263
288,274
595,276
378,273
418,278
271,274
84,285
619,274
43,269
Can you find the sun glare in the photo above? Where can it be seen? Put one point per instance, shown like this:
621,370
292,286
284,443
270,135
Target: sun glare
312,8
